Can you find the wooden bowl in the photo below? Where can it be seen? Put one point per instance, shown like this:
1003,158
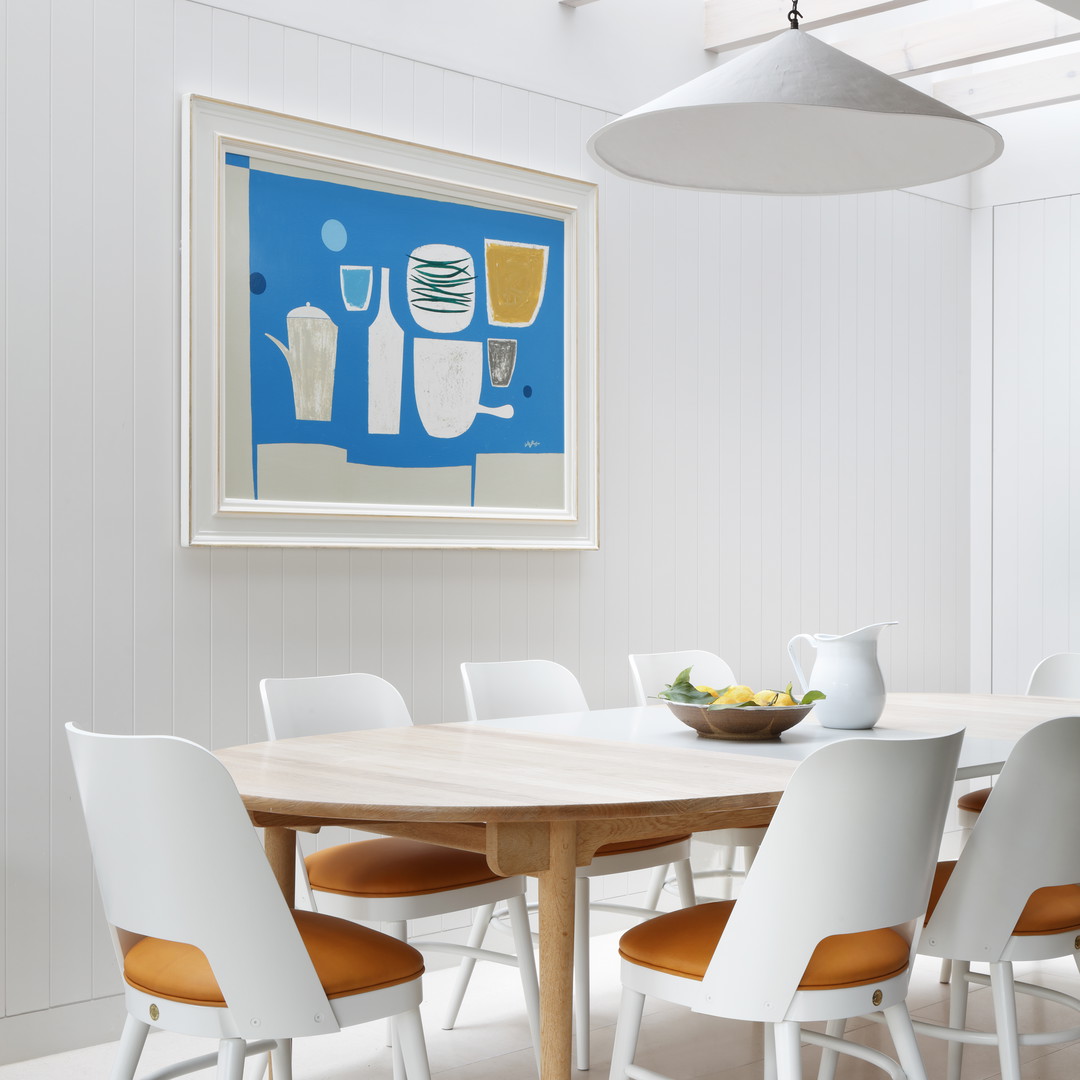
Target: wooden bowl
748,723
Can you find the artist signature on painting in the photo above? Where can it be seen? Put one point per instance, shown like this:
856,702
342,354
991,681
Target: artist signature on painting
531,444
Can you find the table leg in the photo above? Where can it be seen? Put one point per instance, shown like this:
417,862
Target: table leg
280,847
557,951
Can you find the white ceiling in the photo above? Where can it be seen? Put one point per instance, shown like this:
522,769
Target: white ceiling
984,57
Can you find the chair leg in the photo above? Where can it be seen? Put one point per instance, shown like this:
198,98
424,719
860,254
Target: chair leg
281,1060
656,887
409,1032
230,1062
958,1003
903,1037
399,930
829,1058
769,1052
530,987
788,1050
1003,991
132,1041
465,969
684,877
581,974
627,1028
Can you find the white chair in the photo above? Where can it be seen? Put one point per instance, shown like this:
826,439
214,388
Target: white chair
505,689
651,672
392,880
1006,898
204,938
825,925
1054,676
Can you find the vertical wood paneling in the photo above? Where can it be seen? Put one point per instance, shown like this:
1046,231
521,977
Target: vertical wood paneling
27,457
1073,453
7,729
982,448
70,523
155,438
782,419
1036,289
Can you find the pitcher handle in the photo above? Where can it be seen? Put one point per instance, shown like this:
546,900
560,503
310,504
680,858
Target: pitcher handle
803,684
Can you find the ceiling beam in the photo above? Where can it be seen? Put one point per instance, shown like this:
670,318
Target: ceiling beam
1010,89
997,30
733,24
1070,7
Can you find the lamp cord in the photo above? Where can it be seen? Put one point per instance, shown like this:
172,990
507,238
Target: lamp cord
794,15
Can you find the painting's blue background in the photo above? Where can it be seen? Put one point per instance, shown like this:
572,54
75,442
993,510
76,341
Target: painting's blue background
291,265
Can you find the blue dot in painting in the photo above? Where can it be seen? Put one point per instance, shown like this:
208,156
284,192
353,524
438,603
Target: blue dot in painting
334,235
526,391
258,284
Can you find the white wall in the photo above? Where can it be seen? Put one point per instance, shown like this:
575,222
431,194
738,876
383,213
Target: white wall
1035,511
1025,396
784,443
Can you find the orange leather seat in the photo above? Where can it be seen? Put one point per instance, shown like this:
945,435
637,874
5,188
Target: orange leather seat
348,959
1051,910
974,800
639,845
395,867
682,943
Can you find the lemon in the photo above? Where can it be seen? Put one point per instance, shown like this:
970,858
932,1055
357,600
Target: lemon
766,697
736,695
708,690
784,699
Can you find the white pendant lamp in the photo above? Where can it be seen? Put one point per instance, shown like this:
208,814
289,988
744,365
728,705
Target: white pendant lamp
794,116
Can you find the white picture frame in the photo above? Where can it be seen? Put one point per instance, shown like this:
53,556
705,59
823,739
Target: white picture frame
385,344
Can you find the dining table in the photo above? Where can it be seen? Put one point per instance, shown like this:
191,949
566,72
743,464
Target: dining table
539,795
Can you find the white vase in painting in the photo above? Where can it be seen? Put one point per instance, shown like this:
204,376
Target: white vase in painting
447,376
386,351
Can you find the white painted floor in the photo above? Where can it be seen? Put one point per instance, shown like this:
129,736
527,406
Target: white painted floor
491,1041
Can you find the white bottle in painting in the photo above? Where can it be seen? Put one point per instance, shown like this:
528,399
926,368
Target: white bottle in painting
386,349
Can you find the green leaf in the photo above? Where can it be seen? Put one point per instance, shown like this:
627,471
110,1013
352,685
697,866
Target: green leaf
683,692
811,696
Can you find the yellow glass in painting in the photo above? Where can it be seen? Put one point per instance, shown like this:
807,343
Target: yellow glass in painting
516,275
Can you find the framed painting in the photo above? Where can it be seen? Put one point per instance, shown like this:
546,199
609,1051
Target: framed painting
387,345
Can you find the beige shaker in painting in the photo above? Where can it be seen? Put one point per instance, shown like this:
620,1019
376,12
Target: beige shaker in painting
312,354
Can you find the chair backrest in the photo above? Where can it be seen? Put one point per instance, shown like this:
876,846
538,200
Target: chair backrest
852,847
176,857
1056,676
326,704
653,671
507,688
1027,837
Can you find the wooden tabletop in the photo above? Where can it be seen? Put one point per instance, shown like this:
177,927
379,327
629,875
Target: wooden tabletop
525,772
465,773
987,716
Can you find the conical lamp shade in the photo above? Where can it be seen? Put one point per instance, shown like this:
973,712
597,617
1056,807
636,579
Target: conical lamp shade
794,116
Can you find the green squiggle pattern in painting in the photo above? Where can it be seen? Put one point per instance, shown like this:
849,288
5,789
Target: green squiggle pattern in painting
440,285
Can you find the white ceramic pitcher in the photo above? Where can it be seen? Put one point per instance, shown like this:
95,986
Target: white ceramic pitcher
847,672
